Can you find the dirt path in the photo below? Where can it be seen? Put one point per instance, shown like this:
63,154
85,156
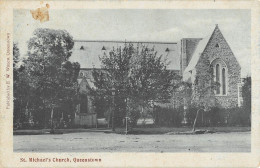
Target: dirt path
102,142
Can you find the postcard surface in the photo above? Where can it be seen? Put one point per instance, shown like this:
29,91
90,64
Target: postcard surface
129,84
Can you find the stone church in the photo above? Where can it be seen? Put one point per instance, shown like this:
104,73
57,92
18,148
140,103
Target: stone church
226,68
185,56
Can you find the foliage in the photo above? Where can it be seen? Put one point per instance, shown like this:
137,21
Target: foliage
137,74
246,93
115,73
220,117
203,89
21,87
149,79
51,78
16,56
238,117
101,103
167,116
204,86
133,112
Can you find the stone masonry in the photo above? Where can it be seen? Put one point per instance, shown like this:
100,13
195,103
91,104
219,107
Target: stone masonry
218,48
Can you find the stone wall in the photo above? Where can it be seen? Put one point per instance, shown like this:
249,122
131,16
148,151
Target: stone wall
218,48
226,101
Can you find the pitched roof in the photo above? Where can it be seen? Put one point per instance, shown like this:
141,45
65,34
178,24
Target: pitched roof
79,80
87,53
199,50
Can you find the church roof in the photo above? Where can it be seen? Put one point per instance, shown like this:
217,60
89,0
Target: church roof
87,53
79,80
85,84
85,74
199,50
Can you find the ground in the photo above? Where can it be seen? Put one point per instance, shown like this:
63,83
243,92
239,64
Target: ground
111,142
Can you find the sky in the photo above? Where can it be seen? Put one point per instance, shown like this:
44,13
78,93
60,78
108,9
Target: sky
161,25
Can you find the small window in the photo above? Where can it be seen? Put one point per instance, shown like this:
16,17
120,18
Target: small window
167,50
217,45
81,48
103,48
81,74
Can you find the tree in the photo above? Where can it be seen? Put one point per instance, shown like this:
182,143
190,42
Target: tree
52,77
138,75
18,91
115,74
16,56
246,94
203,88
150,80
182,97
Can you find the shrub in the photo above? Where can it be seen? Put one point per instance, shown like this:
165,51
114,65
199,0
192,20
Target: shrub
191,114
220,117
167,116
134,115
238,117
214,117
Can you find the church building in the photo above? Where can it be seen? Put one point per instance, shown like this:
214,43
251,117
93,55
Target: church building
186,58
226,68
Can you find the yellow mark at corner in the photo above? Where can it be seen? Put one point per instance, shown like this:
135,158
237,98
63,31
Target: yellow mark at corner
41,14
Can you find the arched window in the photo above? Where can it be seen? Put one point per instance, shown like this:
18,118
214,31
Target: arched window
223,81
220,70
217,78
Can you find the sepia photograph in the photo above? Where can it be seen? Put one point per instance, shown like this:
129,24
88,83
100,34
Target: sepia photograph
132,80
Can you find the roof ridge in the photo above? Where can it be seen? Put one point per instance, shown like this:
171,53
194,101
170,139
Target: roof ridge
119,41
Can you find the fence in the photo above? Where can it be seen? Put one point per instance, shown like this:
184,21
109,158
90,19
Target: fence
85,119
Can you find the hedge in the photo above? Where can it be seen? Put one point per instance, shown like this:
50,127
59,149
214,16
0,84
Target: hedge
215,117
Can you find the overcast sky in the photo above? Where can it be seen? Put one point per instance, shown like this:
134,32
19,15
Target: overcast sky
143,25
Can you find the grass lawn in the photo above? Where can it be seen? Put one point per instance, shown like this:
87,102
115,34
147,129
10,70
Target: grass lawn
137,130
65,131
164,130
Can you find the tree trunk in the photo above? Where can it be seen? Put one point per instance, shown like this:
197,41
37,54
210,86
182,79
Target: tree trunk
45,115
143,115
195,121
52,126
27,111
202,118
